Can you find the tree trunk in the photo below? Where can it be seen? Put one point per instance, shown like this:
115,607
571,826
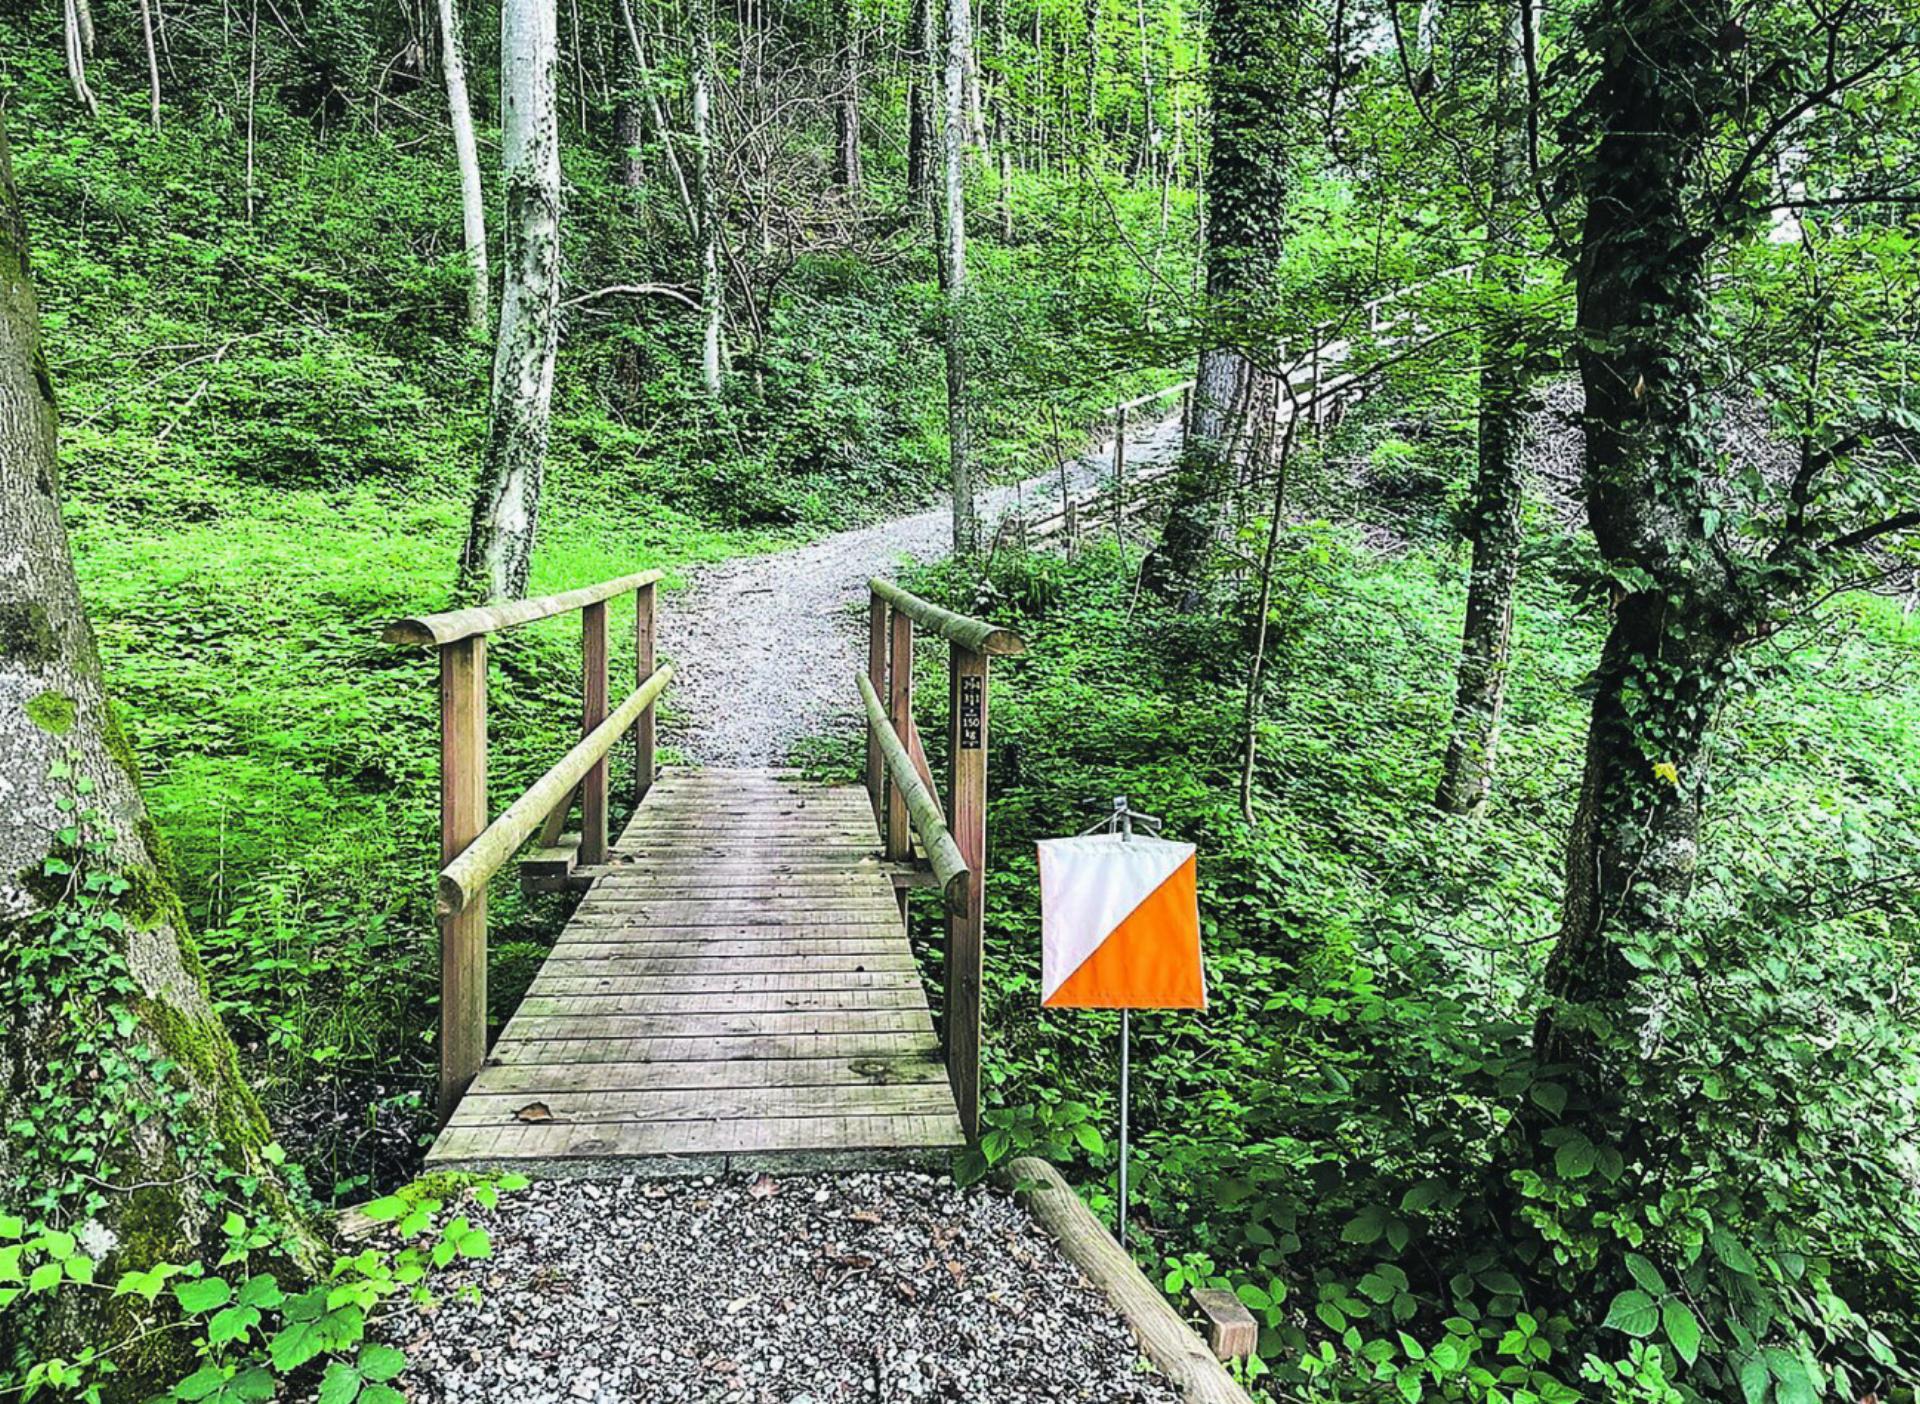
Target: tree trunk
1493,512
507,505
78,38
473,207
153,64
1642,342
706,195
966,532
1091,117
643,73
629,170
1255,53
846,105
108,1030
920,47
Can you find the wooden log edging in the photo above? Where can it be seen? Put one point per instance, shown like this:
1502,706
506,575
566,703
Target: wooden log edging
466,876
975,634
942,853
1165,1339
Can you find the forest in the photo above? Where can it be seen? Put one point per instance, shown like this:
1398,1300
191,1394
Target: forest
1449,461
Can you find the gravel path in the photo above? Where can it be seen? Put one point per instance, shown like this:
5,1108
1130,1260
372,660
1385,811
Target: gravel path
764,648
861,1289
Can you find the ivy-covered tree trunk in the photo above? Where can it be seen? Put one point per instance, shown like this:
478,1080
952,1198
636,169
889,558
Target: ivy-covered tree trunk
124,1105
1493,507
1255,55
1682,609
920,50
507,506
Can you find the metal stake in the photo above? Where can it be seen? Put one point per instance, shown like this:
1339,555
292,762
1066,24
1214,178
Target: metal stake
1120,822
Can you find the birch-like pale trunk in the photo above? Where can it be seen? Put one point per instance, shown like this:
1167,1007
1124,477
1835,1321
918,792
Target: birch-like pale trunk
154,1047
846,102
473,205
153,64
507,502
77,36
707,196
643,71
966,530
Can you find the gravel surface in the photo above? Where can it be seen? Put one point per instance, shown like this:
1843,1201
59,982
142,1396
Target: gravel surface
764,648
870,1288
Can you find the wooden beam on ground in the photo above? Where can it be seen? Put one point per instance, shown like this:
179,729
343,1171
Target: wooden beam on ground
1162,1335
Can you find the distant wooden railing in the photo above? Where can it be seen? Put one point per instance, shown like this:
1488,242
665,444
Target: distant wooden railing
907,805
472,849
1323,390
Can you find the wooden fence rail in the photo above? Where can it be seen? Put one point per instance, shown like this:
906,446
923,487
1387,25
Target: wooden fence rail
906,802
472,849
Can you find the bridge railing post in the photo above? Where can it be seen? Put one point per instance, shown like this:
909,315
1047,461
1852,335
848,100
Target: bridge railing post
965,959
900,713
877,675
643,665
593,711
463,816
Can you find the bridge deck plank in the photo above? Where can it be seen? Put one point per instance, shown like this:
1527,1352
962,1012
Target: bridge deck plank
736,989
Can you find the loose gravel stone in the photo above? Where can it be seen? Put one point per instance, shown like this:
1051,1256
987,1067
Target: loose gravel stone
860,1289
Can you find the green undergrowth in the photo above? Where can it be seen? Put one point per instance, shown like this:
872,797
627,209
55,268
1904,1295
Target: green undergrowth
270,418
1323,1139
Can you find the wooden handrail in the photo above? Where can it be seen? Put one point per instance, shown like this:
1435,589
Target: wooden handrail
487,854
1150,397
975,634
432,630
943,854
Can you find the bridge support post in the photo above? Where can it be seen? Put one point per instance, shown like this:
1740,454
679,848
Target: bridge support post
965,963
643,665
900,712
593,711
463,816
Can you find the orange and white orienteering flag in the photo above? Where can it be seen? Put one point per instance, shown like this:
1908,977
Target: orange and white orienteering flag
1119,924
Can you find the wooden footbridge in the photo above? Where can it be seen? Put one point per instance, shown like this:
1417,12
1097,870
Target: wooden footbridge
736,988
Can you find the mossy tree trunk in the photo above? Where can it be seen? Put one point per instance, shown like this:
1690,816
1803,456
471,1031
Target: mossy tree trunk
132,1063
506,508
473,207
1256,53
1493,506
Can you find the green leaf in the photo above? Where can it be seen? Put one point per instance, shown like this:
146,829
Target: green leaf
1575,1159
1635,1313
340,1385
203,1295
1503,1284
253,1384
45,1278
1754,1379
1090,1139
1683,1328
262,1291
381,1362
1792,1383
1253,1295
1550,1097
200,1383
1646,1274
231,1325
381,1394
1366,1226
386,1210
300,1341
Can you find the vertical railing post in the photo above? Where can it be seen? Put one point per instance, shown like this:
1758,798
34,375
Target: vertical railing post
643,665
967,783
900,711
1119,471
593,711
877,675
463,816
